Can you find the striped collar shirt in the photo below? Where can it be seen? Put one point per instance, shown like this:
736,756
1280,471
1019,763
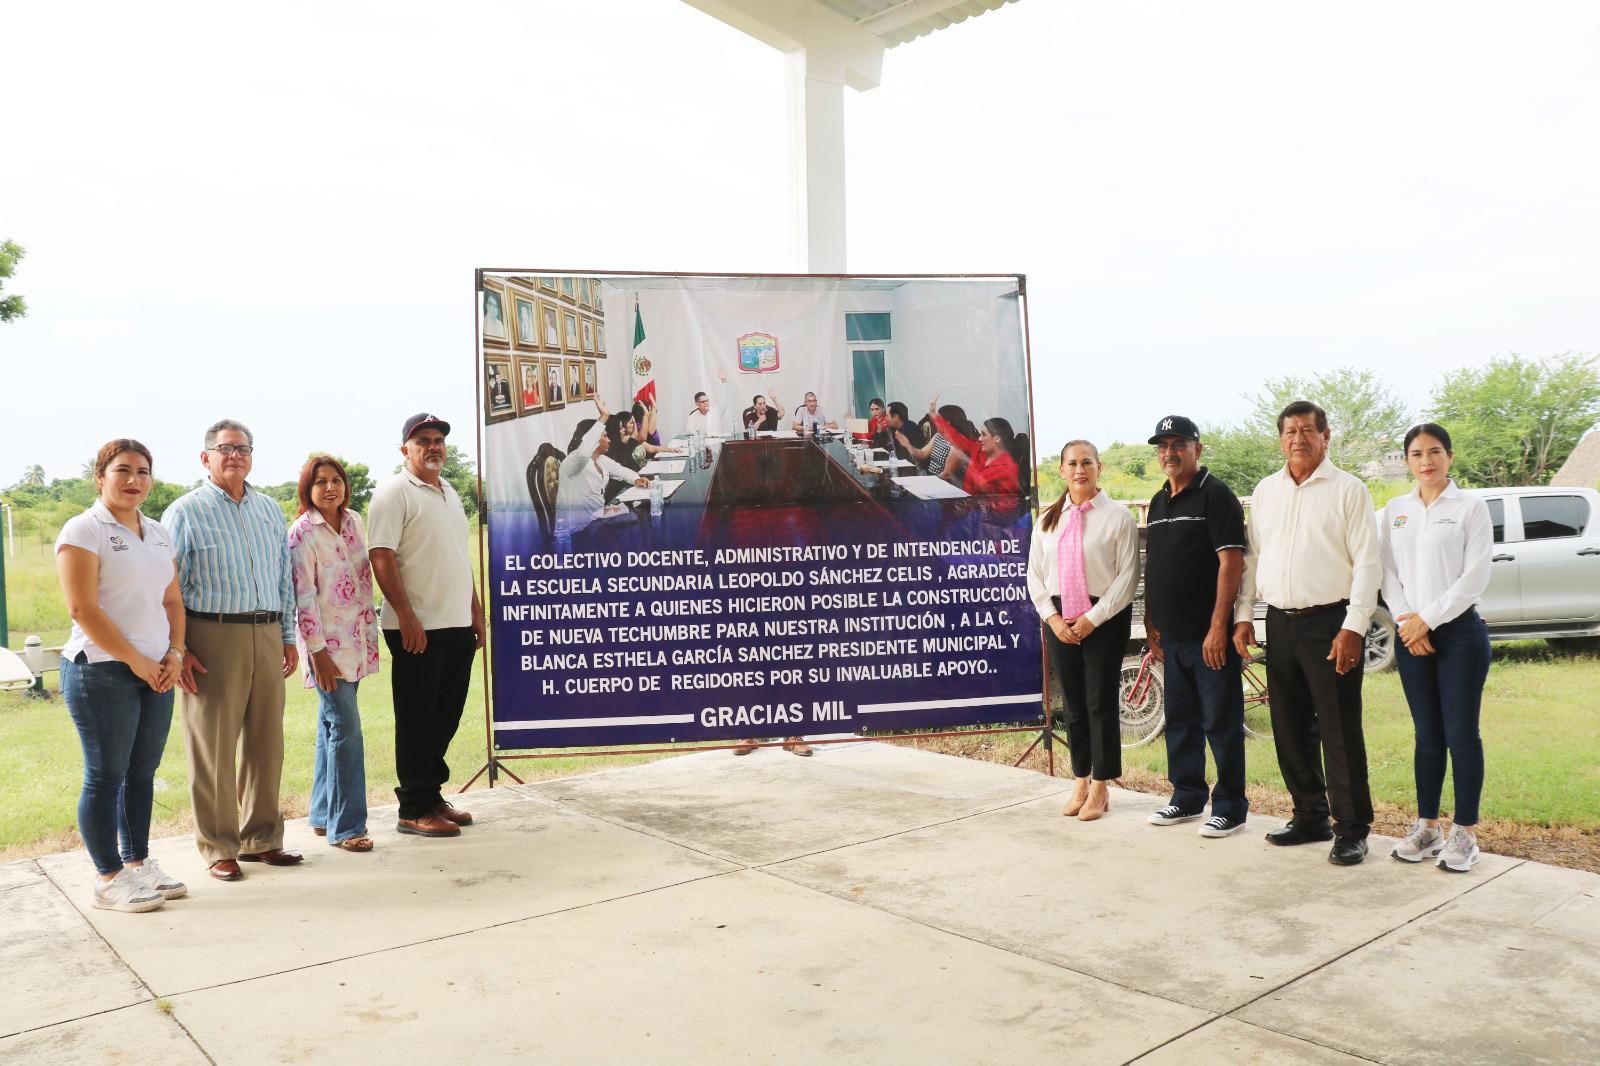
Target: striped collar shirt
233,557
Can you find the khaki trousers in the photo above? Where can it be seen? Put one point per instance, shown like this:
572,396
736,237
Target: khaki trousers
235,716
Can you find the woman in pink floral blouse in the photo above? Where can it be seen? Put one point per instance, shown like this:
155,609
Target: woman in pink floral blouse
338,638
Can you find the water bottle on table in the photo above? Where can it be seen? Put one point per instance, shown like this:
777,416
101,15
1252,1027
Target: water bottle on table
658,497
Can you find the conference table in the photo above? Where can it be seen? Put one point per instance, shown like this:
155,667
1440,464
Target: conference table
780,489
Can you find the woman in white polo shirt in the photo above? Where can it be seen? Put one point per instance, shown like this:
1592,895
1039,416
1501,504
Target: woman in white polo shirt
118,669
1436,542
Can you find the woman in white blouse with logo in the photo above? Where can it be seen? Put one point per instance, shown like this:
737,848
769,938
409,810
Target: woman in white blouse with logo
1436,543
1083,566
118,669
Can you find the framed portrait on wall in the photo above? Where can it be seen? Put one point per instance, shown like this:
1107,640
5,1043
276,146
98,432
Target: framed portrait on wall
589,376
569,289
496,332
498,402
551,316
585,300
600,337
569,336
525,321
588,336
555,390
575,380
530,385
598,306
547,285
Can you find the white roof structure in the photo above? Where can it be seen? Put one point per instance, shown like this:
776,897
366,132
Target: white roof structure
831,44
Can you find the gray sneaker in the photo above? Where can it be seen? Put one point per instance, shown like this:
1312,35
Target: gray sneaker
126,892
1460,851
156,878
1423,842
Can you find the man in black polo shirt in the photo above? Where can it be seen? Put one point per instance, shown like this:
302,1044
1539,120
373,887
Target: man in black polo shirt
1195,558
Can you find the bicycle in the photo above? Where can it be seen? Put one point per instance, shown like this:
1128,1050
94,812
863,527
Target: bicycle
1143,698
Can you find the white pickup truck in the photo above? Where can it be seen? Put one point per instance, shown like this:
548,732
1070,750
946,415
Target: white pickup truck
1546,578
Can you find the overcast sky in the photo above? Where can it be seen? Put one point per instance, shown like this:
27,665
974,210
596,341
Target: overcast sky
273,213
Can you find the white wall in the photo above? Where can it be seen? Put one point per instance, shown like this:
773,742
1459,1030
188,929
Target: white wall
960,340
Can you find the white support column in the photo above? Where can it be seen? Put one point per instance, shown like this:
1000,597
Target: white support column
816,139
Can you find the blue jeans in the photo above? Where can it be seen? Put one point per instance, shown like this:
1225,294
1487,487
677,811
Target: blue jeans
339,769
1203,705
122,725
1445,691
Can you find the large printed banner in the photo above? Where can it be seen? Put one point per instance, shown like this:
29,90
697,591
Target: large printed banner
754,507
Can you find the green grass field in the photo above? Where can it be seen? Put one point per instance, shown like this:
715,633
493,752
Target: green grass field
1541,737
1541,731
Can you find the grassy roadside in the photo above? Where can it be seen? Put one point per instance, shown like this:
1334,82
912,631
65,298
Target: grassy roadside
1541,734
1540,724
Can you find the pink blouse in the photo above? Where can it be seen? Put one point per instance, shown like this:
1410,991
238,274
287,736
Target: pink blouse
333,594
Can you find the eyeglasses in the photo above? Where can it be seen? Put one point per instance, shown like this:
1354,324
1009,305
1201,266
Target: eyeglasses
427,442
233,449
1173,446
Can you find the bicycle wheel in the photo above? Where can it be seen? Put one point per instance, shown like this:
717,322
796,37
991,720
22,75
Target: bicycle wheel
1143,702
1257,713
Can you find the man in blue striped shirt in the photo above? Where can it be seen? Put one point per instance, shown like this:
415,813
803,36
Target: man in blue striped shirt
233,569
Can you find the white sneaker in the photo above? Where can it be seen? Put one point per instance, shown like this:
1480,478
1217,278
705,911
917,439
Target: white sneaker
1423,842
1460,851
1220,825
154,877
126,892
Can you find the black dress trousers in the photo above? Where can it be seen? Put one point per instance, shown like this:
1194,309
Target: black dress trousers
1316,722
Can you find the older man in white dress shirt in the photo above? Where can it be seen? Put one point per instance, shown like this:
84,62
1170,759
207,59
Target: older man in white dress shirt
1313,557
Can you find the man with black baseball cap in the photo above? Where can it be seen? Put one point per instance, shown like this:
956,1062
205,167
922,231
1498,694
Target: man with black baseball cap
417,538
1194,560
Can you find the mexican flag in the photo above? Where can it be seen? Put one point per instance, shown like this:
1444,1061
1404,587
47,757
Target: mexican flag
643,373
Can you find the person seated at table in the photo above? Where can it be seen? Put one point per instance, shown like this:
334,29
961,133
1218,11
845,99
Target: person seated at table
900,437
644,417
992,466
877,417
626,445
707,417
935,455
763,417
585,475
808,418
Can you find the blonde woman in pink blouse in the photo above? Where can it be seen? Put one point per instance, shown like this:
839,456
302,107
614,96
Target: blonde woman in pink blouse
338,637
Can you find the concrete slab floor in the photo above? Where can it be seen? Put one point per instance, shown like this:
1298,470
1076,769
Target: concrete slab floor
140,1035
913,907
1507,973
737,967
54,966
1226,1042
1211,923
770,805
521,858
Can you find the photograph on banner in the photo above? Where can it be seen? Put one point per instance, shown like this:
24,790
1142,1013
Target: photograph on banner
785,505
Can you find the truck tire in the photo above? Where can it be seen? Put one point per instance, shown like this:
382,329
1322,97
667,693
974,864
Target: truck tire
1382,642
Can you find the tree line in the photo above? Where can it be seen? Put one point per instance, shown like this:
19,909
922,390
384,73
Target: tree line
1513,421
55,500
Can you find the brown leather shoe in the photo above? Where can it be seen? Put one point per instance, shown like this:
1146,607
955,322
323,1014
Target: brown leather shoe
320,830
226,870
429,825
273,857
449,813
744,747
797,745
